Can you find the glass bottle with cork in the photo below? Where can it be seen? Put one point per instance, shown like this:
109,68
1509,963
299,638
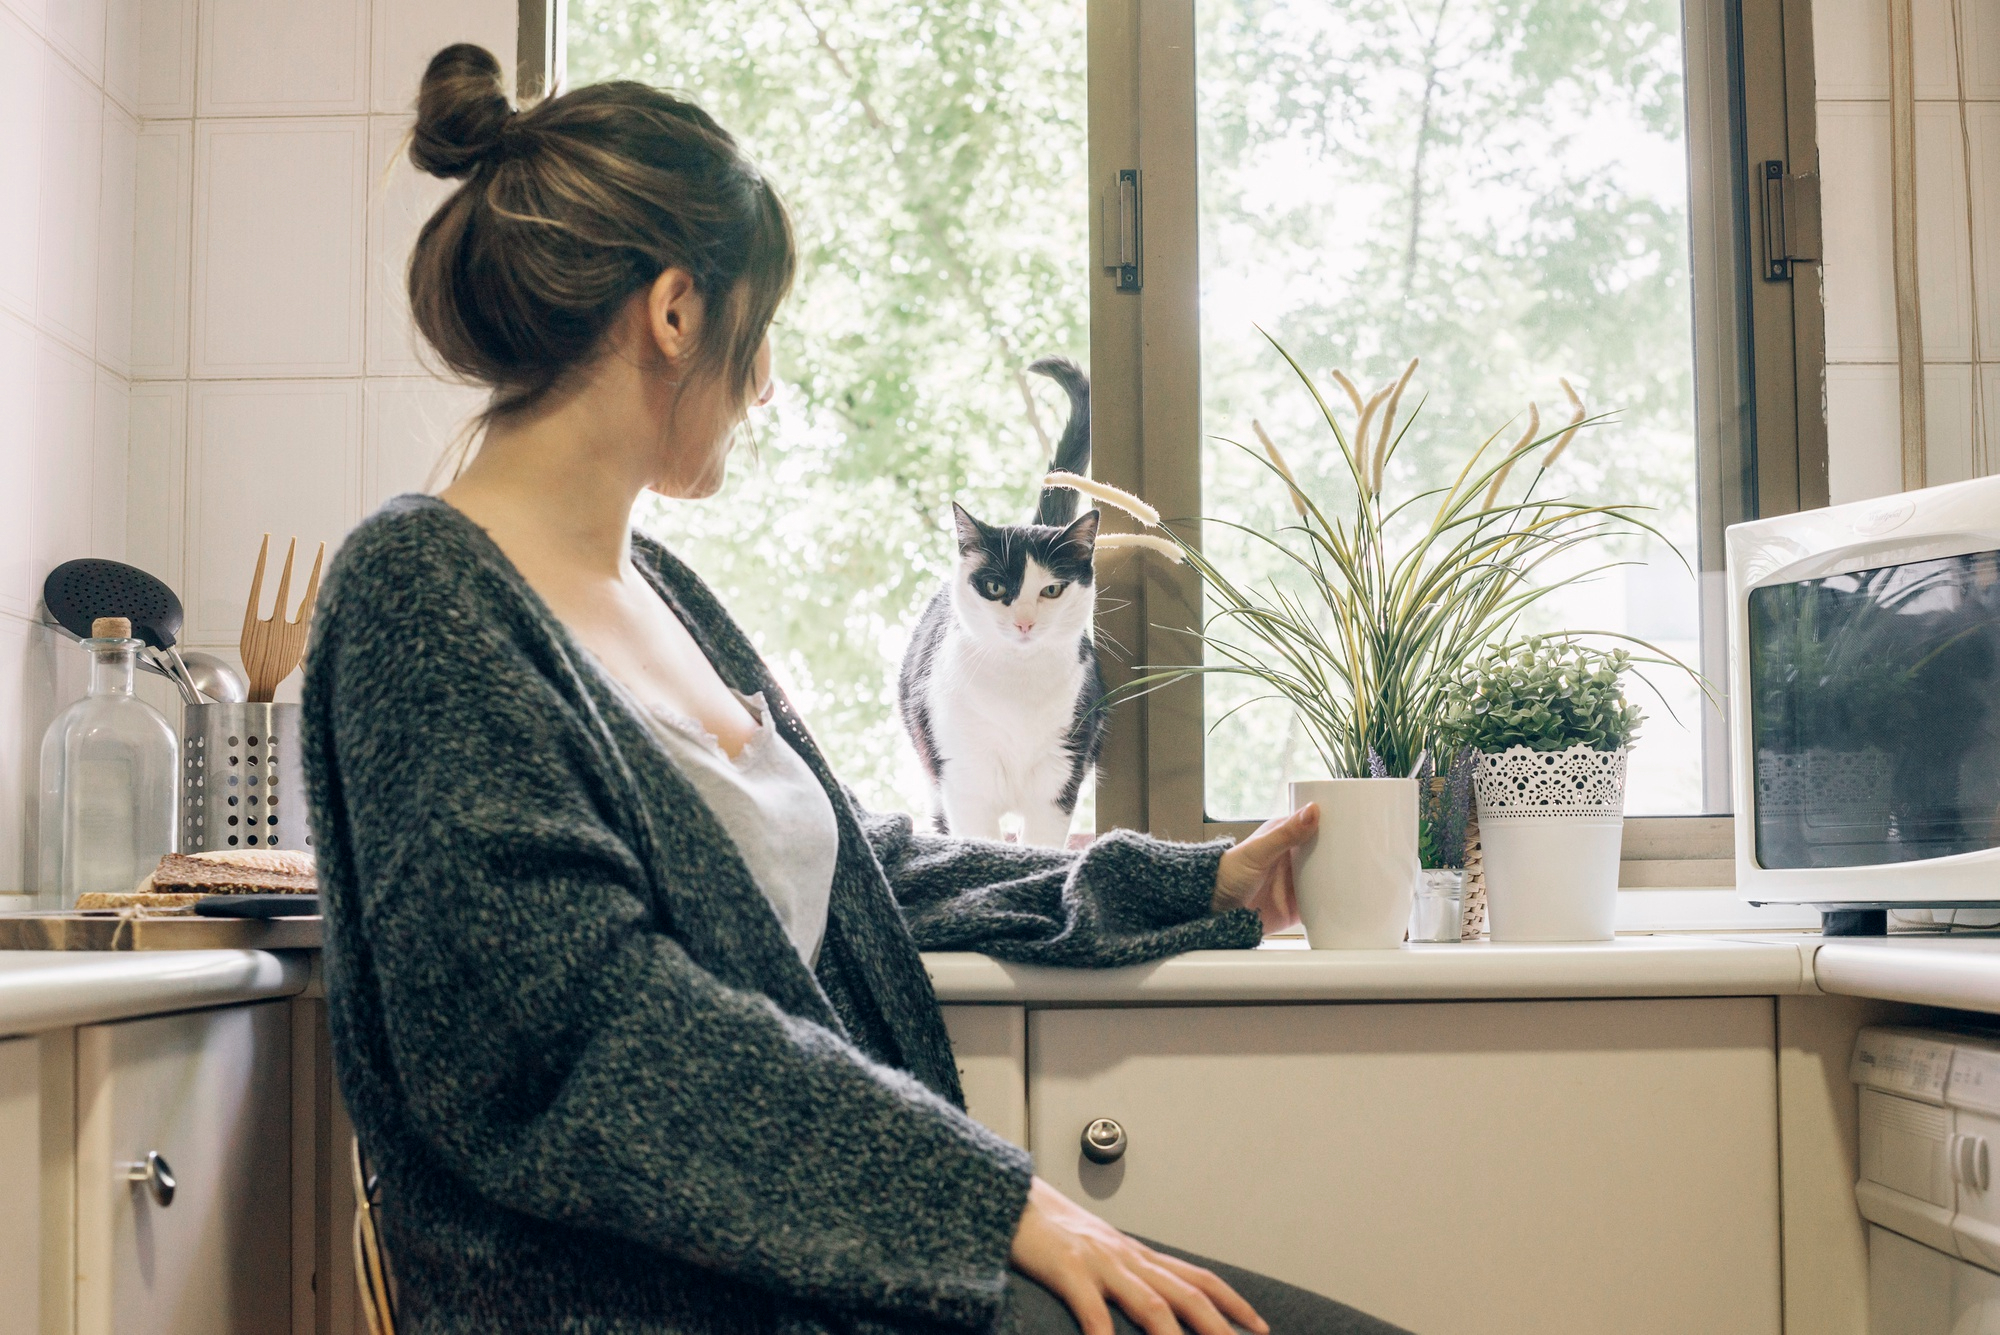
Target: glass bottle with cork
110,792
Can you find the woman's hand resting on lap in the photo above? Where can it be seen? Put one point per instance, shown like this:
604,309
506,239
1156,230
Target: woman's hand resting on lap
1257,873
1082,1260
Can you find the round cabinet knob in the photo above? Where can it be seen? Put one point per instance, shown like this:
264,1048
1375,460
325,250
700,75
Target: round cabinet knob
1104,1141
158,1177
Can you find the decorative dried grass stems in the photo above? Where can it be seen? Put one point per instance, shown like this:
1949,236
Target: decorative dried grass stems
1576,415
1284,469
1382,437
1353,394
1528,438
1142,542
1110,495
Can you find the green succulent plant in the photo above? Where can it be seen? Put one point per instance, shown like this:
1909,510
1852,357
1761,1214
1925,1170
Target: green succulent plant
1547,693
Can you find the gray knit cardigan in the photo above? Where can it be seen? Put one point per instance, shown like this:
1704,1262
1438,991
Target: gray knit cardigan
602,1091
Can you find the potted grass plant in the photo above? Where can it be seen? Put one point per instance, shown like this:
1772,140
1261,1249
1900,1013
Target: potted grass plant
1548,726
1393,597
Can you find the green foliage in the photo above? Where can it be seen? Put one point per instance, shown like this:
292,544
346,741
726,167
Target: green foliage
1544,693
1497,184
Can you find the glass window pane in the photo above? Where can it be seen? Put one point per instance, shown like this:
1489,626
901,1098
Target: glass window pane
1501,190
934,158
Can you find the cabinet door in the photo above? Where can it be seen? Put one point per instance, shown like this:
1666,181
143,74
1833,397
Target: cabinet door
990,1045
21,1174
1479,1168
210,1092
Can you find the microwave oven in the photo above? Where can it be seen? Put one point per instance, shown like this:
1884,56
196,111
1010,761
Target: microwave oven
1864,703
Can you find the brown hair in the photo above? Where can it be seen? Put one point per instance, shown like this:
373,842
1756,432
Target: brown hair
569,207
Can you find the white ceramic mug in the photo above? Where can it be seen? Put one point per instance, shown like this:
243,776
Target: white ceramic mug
1357,876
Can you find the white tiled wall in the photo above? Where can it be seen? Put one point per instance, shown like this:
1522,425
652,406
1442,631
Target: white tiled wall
202,328
267,313
65,352
1956,49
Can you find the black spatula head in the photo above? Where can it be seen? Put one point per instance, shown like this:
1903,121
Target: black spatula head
79,592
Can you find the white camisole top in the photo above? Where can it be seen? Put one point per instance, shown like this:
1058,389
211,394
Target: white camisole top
772,806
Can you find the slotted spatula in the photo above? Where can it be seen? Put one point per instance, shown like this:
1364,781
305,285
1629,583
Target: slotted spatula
273,646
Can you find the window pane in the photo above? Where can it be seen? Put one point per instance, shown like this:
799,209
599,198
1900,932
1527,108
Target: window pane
1501,190
934,158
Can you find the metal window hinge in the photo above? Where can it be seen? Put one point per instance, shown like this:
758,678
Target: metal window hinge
1118,227
1791,220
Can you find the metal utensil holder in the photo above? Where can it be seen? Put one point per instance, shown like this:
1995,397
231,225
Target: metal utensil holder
242,778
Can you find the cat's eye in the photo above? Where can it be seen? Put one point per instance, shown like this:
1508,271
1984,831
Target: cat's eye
992,588
1054,590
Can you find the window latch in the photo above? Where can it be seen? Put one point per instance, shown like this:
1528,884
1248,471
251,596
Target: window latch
1791,220
1118,228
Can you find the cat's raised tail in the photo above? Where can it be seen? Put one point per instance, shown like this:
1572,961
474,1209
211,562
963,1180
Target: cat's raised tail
1058,504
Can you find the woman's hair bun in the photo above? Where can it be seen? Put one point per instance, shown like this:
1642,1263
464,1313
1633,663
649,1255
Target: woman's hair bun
462,109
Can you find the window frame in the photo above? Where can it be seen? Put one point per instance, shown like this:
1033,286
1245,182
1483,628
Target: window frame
1759,381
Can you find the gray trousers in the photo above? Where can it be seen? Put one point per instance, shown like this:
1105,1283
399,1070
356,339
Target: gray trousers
1289,1310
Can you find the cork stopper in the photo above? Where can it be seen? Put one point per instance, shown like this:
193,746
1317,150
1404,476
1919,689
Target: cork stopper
111,628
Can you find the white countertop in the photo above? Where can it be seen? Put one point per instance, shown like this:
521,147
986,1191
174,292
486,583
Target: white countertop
53,989
1957,971
1631,966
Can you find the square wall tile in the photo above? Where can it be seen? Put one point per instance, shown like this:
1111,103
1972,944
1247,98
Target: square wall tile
117,202
1933,53
1982,123
277,457
72,168
23,720
409,32
65,456
283,57
110,474
1950,442
156,479
279,253
1858,232
1864,432
1979,37
121,53
23,66
1986,419
20,585
163,207
400,200
164,64
1850,49
76,28
1944,248
413,425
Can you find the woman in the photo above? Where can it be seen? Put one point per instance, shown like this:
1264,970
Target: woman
624,988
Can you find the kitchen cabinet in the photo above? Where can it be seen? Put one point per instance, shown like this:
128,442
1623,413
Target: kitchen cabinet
210,1094
1490,1167
990,1046
21,1171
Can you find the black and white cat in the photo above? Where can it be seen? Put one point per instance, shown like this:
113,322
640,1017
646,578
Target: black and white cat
1000,686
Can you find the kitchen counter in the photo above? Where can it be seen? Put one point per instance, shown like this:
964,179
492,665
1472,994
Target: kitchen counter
1957,971
54,989
1285,971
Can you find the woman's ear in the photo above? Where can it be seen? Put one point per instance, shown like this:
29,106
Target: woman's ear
674,314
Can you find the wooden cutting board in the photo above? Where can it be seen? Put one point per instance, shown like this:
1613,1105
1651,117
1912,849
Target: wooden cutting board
109,931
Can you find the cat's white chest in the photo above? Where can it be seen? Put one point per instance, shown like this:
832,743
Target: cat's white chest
1002,723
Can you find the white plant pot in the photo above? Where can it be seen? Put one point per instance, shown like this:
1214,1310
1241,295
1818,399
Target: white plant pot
1357,876
1551,824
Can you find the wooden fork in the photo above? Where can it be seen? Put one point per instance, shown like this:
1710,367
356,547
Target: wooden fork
272,647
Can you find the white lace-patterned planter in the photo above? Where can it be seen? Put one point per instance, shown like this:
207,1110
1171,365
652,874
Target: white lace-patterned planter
1550,828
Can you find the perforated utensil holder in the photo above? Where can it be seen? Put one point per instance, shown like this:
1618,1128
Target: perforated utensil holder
242,778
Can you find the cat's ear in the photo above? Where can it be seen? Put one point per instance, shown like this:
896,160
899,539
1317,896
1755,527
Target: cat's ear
1079,540
971,533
